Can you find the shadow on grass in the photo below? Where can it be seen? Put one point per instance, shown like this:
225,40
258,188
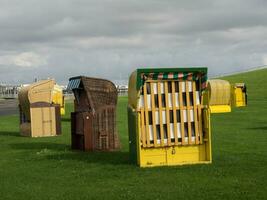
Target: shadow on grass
40,146
64,152
112,158
258,128
65,119
12,134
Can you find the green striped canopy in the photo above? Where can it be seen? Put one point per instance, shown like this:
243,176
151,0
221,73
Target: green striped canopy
182,74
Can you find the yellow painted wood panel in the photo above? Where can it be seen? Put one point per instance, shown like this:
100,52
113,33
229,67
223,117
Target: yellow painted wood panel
43,121
36,122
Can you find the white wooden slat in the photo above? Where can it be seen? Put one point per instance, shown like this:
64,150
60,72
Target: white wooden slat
176,99
161,88
172,130
191,115
141,102
185,115
155,88
157,117
179,130
183,86
151,136
149,101
197,98
170,100
190,86
163,117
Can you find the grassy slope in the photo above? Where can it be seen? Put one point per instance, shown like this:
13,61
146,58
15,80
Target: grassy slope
46,168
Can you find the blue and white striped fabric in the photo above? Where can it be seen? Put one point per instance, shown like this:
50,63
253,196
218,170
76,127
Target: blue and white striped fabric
73,84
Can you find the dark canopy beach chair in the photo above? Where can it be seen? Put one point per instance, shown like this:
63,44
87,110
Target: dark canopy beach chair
93,122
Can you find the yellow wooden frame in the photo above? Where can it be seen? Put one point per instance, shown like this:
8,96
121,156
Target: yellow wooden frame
173,151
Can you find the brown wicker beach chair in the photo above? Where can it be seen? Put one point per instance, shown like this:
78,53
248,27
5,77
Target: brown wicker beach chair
93,122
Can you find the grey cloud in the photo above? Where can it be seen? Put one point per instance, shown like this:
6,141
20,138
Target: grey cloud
111,38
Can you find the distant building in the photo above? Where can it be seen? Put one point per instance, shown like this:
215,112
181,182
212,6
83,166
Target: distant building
9,91
122,90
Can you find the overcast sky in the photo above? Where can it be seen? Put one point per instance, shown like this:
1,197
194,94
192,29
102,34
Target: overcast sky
111,38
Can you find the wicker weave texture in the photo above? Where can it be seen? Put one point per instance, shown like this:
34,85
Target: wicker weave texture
100,92
97,100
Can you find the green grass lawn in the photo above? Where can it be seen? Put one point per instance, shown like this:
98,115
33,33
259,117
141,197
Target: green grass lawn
46,168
